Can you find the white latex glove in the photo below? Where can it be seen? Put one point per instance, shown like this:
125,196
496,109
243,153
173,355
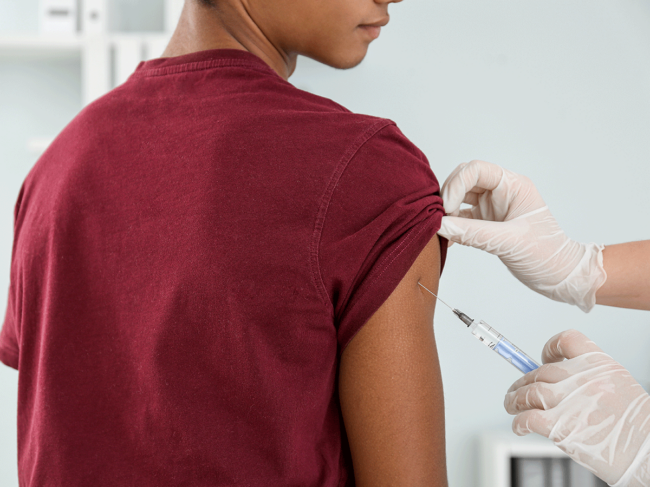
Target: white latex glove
509,219
590,406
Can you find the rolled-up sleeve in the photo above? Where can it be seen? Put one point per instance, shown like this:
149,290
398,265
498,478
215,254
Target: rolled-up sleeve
384,210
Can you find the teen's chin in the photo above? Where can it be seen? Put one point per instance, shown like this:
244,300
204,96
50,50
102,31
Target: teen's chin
348,59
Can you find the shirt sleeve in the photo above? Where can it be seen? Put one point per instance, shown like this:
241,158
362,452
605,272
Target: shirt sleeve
383,211
8,339
9,334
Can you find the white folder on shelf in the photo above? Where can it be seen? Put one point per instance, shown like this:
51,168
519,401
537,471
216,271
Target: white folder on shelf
154,46
94,16
57,16
95,69
173,9
128,54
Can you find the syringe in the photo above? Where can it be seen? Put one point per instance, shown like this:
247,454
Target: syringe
495,340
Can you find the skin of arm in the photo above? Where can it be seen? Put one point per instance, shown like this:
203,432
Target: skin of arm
628,276
390,387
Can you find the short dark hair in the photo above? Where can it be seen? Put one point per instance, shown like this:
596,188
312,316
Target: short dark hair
206,3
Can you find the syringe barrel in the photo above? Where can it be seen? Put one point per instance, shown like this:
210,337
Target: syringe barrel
497,342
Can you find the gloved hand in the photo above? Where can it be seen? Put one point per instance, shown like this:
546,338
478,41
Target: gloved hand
590,406
509,219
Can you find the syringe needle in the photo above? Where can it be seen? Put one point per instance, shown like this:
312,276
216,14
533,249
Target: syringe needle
494,340
461,316
439,298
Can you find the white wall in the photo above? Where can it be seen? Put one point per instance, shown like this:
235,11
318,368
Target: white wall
557,90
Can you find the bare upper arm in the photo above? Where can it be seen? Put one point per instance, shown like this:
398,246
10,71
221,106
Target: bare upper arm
390,386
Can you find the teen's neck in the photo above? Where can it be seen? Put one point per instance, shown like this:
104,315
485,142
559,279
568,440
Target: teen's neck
227,27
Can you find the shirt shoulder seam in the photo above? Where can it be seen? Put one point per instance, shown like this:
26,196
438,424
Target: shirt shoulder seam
323,207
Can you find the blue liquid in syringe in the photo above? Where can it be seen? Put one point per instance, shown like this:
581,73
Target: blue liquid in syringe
497,342
515,356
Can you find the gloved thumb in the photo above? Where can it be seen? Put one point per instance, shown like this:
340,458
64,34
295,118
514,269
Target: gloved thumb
480,234
567,345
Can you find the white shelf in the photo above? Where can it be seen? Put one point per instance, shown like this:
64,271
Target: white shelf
51,45
40,46
106,60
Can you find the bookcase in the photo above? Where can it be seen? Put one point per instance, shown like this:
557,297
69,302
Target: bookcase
105,54
506,460
112,37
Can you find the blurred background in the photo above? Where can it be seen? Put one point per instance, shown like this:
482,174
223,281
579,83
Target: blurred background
556,90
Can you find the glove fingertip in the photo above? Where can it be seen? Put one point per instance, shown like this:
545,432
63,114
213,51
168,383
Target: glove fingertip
451,207
518,430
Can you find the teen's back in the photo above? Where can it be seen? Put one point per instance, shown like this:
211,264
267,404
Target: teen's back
192,255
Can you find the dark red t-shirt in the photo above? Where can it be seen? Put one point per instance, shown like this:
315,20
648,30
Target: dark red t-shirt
191,255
